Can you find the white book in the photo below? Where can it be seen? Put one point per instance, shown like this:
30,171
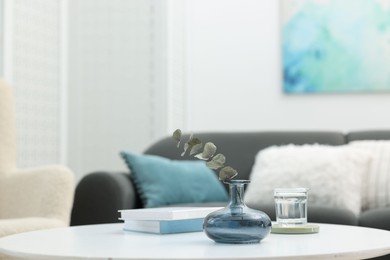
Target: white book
164,226
168,213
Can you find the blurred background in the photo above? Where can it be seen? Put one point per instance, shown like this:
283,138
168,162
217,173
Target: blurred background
94,77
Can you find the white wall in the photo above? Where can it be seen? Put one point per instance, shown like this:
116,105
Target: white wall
234,76
117,81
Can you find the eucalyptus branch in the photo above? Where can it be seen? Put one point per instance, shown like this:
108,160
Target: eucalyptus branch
214,161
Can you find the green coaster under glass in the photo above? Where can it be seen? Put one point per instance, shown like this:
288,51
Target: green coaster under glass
296,229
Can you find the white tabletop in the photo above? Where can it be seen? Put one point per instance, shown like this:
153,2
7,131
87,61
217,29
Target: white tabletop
108,241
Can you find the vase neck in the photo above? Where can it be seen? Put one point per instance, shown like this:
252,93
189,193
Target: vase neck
236,192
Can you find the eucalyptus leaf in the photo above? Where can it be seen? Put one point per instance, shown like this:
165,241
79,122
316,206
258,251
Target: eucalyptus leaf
208,151
185,149
216,162
196,148
186,145
193,145
177,136
227,173
194,141
199,156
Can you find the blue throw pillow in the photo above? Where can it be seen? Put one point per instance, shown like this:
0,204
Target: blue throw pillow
161,181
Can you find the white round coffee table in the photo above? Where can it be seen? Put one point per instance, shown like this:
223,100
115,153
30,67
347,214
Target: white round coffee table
108,241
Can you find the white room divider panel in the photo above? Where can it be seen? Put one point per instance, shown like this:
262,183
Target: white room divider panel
1,38
33,67
116,55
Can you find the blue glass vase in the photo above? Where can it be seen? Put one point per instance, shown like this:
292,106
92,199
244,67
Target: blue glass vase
236,223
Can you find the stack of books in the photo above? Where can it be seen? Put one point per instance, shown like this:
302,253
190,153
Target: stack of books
165,220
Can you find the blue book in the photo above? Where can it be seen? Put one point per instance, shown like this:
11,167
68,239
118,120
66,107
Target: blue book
164,226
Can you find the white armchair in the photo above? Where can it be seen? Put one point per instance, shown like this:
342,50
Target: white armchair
30,199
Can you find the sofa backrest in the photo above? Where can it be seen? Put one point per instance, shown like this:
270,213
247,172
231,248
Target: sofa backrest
368,135
240,148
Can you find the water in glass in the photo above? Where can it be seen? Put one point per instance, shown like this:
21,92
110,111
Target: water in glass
291,206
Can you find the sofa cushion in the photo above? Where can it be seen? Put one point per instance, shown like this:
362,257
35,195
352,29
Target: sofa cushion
375,218
332,173
376,188
161,181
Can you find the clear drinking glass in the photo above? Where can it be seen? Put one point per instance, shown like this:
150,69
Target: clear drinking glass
291,206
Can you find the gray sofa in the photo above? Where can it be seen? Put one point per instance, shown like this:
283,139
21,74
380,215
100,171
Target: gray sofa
99,195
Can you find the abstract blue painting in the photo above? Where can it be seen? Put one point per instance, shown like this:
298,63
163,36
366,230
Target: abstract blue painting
334,46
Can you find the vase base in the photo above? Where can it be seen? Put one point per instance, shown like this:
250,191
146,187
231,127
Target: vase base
238,241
